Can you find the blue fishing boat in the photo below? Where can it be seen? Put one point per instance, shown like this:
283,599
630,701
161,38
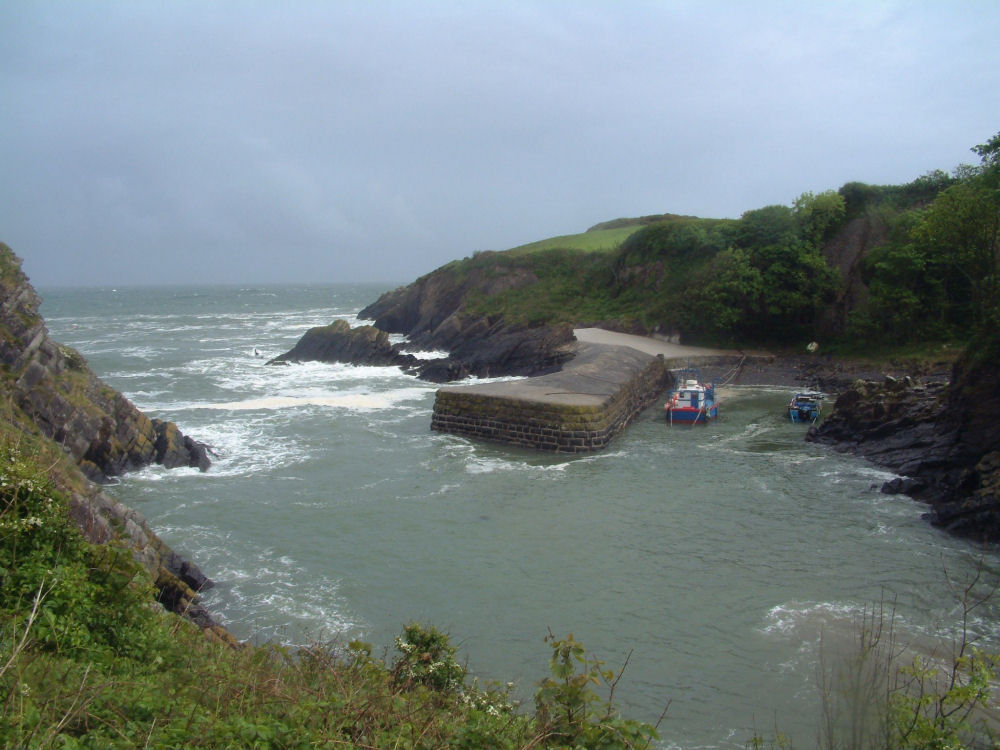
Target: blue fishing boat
805,406
692,403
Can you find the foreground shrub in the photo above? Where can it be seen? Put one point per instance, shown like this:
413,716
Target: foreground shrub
569,713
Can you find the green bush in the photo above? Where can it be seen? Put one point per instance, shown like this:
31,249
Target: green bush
568,711
87,600
427,658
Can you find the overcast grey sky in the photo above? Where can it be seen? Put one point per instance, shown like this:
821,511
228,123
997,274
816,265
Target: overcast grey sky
243,142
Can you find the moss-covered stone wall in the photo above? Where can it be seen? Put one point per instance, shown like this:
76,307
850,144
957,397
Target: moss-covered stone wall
544,425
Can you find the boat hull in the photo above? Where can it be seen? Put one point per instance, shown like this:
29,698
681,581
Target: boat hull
797,414
681,415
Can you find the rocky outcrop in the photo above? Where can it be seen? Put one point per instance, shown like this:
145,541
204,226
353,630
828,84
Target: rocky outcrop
428,310
486,350
483,351
338,342
943,440
434,312
430,313
50,392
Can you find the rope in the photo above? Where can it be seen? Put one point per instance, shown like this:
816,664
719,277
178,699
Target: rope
732,373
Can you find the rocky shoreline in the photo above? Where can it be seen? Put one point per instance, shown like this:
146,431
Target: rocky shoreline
942,438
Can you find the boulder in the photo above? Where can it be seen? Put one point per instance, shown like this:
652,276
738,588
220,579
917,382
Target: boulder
338,342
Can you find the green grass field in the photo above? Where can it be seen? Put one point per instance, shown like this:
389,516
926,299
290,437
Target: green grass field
598,241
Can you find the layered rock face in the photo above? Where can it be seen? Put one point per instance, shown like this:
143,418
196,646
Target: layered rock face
430,313
52,384
50,391
944,440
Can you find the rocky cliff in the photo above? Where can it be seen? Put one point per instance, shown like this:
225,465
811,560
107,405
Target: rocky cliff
433,313
51,394
942,439
52,384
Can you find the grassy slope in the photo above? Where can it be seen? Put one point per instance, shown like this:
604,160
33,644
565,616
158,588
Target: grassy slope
595,241
589,277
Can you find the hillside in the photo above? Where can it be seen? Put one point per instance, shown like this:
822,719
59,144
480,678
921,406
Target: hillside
862,269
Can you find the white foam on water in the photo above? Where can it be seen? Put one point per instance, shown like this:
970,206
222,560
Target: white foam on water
238,383
354,399
262,592
855,472
128,375
799,619
444,489
479,465
483,381
752,430
426,353
357,402
488,465
241,447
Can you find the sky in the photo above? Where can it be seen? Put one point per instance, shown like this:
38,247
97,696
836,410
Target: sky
175,142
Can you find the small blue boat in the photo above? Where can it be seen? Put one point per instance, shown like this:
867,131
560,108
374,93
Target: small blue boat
692,403
805,406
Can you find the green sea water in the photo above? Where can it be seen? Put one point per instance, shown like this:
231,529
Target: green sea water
724,563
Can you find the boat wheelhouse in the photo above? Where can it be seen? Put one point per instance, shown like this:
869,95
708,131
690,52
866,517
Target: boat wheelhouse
692,403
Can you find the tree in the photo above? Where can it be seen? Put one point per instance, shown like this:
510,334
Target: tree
722,300
796,283
771,225
907,295
819,215
962,229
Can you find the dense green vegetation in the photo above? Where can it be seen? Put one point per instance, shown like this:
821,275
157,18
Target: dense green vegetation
926,268
937,275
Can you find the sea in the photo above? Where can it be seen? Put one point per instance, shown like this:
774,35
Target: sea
725,569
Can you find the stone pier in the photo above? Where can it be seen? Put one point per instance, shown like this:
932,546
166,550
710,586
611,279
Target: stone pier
576,410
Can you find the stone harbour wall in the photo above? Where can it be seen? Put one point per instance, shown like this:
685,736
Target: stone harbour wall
562,422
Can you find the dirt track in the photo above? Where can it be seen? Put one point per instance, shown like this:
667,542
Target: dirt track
645,344
819,371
